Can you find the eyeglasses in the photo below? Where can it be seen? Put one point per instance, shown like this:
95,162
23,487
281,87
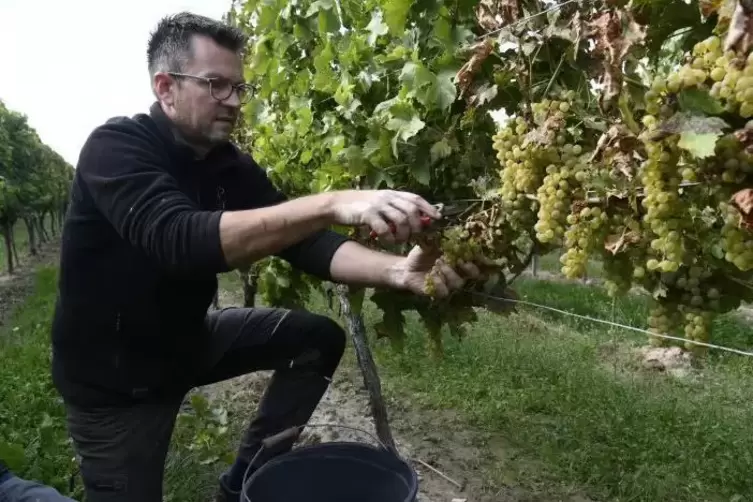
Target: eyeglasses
220,88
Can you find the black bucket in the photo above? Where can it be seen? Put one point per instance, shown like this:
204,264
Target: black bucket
333,472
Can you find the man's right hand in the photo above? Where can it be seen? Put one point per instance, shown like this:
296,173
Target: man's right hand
378,208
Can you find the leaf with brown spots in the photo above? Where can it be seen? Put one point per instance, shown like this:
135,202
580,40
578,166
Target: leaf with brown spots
616,148
554,122
711,7
740,34
745,136
492,15
616,243
615,32
743,202
480,51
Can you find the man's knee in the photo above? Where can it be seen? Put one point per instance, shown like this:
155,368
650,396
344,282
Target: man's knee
326,337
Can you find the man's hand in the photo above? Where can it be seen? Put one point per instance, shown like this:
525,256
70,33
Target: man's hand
379,208
411,272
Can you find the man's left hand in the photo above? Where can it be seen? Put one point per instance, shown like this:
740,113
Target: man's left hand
412,271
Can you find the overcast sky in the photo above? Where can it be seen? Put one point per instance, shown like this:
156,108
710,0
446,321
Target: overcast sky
70,65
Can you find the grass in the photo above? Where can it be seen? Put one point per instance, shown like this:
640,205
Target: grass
32,428
561,400
582,414
33,437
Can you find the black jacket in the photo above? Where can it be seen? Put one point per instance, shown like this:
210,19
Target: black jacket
139,258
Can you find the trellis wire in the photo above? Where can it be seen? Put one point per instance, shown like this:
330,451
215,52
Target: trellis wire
611,323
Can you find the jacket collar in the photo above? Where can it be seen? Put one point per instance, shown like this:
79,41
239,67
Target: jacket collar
176,140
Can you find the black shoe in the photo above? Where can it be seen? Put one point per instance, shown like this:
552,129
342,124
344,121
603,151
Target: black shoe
225,494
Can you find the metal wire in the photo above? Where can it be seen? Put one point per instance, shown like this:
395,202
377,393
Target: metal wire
610,323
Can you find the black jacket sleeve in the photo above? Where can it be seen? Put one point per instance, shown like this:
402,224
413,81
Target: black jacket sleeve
312,254
124,172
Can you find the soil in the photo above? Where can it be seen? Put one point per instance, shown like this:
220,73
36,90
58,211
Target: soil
16,287
437,438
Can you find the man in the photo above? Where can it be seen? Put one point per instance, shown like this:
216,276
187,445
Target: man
160,204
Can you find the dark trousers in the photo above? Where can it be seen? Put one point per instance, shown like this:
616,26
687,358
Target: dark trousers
123,449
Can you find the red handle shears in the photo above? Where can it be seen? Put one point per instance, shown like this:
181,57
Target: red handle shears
426,220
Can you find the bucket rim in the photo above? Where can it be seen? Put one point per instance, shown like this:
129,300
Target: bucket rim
411,477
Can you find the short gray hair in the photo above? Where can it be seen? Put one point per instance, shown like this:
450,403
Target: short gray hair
169,46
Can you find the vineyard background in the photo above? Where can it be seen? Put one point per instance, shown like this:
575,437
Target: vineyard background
516,404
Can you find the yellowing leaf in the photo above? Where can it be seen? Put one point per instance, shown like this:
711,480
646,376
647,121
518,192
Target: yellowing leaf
440,150
376,28
700,145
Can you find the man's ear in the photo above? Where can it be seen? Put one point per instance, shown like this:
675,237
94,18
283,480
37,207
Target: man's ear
164,88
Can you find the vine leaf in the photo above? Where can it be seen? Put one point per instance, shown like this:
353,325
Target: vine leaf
698,134
480,51
404,129
743,202
616,243
615,33
740,34
396,14
745,136
699,101
429,89
376,28
422,173
492,15
440,150
13,454
682,121
711,7
616,147
701,145
318,5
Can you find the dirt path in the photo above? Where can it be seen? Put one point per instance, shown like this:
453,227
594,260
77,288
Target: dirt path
346,403
15,288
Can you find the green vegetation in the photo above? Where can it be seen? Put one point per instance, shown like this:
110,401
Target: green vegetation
34,185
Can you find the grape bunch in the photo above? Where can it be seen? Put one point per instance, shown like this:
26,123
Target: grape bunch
485,238
586,232
520,174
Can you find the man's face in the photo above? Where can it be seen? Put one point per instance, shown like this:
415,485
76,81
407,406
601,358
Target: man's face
201,117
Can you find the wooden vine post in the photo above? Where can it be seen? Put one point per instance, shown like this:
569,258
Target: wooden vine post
350,304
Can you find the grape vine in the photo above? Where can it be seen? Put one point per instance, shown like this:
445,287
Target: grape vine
635,149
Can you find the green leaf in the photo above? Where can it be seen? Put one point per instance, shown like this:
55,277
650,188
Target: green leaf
446,90
700,145
422,173
325,79
432,91
318,6
404,129
440,150
13,455
376,27
329,22
396,14
699,101
306,156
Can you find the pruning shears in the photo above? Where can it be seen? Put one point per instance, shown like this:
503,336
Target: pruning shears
449,215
